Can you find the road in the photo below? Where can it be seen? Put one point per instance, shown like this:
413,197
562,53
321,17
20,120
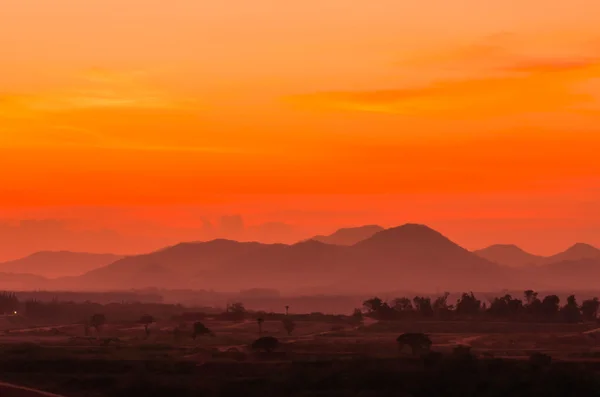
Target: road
10,390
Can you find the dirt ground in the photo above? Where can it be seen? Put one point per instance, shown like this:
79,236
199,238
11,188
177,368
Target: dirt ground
319,338
62,359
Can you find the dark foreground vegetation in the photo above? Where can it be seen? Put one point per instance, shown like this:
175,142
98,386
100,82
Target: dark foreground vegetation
156,349
529,308
454,374
469,306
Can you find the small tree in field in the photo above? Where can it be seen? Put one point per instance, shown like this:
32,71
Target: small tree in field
288,325
97,321
147,320
200,329
260,322
266,343
589,309
357,317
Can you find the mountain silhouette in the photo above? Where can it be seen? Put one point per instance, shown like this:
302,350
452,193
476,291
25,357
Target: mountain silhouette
22,281
409,256
574,253
570,274
424,259
58,263
509,255
513,256
349,235
176,263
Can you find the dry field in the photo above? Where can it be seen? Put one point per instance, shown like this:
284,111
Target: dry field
61,359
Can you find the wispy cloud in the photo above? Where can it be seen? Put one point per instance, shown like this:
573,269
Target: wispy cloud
517,85
65,136
98,89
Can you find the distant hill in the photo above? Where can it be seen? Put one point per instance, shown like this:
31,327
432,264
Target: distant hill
509,255
513,256
575,253
22,281
349,235
571,275
420,258
409,256
53,264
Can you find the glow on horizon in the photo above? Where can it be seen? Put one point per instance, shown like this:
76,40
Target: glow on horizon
142,104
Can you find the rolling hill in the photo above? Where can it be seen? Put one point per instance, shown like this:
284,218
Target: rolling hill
509,255
580,274
52,264
22,281
513,256
409,256
575,253
349,235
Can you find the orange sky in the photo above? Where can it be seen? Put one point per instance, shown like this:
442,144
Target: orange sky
150,120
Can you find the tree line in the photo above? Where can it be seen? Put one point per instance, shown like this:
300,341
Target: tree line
528,308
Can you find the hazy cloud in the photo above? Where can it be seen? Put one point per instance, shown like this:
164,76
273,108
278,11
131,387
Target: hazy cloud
515,85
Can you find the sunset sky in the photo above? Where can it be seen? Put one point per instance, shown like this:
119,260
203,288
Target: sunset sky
128,124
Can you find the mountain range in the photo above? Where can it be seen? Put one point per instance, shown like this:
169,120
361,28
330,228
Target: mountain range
58,263
411,256
349,235
513,256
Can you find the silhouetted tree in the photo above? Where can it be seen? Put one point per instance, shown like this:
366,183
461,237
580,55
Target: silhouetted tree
418,342
9,303
260,322
468,305
373,305
266,343
288,325
505,306
441,308
570,310
423,306
200,330
589,309
533,305
287,309
550,306
377,308
147,320
530,296
357,316
402,304
97,321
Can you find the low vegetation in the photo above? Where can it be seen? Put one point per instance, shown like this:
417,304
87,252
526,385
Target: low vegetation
407,347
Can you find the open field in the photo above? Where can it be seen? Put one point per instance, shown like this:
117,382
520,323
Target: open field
121,360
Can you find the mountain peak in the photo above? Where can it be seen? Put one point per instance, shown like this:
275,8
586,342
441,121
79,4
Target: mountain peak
349,235
581,251
582,246
509,255
410,230
512,247
409,234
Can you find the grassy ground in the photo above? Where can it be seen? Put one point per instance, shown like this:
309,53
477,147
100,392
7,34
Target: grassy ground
318,359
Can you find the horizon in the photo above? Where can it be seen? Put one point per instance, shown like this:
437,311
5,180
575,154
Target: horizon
130,126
